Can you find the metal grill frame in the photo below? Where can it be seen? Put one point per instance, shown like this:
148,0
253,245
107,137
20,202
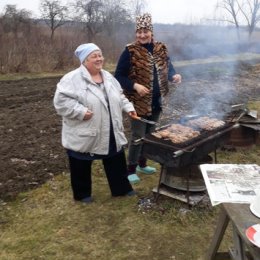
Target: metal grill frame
172,156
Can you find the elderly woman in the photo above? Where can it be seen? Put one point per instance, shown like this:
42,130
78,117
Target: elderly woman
91,102
143,71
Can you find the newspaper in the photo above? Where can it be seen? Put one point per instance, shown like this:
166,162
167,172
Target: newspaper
232,183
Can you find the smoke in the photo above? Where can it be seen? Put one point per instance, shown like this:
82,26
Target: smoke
209,59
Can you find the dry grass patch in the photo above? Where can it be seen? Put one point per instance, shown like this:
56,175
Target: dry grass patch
47,224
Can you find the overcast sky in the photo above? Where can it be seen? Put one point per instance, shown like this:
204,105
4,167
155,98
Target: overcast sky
163,11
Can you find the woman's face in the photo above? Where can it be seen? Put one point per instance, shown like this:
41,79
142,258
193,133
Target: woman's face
144,36
94,61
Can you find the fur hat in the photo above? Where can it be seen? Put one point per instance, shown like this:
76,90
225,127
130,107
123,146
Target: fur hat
144,22
84,50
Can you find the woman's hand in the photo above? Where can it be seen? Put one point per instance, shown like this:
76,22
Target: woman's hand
141,90
176,78
133,114
88,115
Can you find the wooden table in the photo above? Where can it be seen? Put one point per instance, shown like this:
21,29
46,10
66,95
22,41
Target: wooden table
240,217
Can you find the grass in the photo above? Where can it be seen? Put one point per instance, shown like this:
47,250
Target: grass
111,66
18,76
46,223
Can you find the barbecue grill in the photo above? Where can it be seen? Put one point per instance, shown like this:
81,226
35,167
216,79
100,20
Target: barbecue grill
179,155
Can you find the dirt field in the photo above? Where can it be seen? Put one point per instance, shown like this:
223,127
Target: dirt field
30,135
30,147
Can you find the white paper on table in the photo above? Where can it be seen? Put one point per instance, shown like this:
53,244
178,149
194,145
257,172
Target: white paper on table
233,183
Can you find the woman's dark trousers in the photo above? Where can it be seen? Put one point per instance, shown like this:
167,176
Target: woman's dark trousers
116,173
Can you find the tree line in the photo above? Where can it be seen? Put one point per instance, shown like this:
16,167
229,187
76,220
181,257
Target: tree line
47,43
239,12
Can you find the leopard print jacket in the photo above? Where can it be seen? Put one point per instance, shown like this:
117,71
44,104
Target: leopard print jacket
142,71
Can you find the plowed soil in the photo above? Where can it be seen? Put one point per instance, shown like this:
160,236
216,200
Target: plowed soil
30,129
30,135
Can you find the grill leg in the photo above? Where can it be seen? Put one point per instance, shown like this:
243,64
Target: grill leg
215,156
188,187
159,184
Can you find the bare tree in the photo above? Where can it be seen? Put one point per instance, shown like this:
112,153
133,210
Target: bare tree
239,11
91,14
137,7
115,15
251,13
15,20
16,26
98,16
232,9
54,14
